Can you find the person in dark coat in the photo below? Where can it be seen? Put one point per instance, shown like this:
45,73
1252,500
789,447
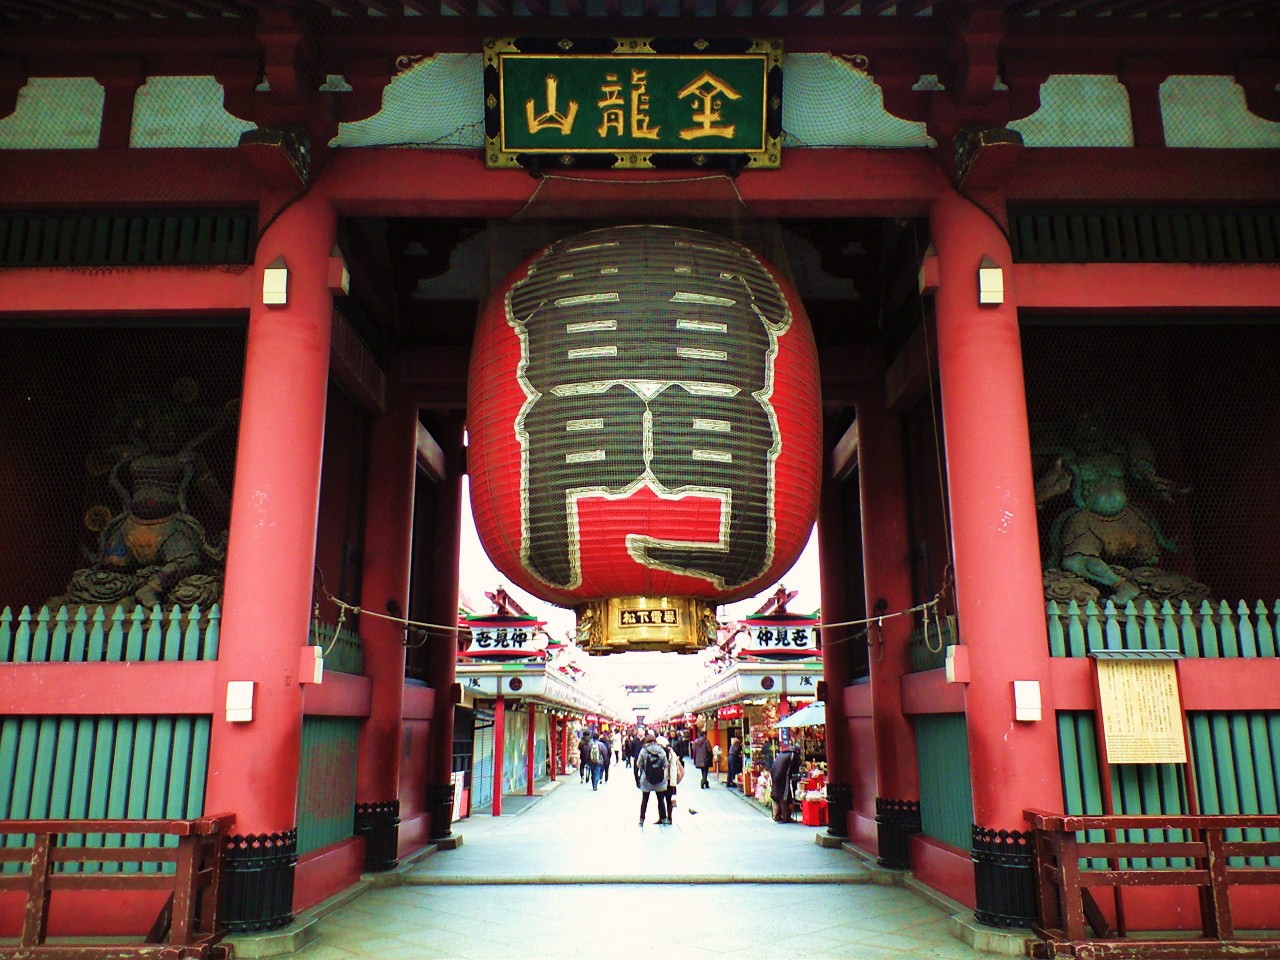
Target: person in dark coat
647,785
735,762
701,752
785,764
633,745
584,756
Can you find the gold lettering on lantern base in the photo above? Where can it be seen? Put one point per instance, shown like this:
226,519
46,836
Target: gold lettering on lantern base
618,624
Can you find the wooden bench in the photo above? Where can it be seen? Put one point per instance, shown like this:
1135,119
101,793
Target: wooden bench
187,926
1065,885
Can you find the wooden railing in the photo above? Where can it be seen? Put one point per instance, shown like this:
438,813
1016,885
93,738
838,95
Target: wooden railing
187,926
1065,884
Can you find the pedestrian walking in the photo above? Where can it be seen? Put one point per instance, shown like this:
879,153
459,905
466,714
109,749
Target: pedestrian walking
617,746
584,756
701,753
606,755
595,760
675,773
650,770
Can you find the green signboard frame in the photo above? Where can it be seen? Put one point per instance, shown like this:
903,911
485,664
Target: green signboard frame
634,103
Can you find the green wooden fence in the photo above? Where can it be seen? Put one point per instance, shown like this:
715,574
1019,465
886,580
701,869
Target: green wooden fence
1235,757
946,799
117,767
1207,631
343,650
327,781
84,635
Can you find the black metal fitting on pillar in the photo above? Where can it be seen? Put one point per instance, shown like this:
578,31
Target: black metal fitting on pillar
1004,877
440,808
257,888
896,821
379,824
839,803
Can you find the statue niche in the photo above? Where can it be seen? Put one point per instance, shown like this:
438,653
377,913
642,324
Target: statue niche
1106,546
151,549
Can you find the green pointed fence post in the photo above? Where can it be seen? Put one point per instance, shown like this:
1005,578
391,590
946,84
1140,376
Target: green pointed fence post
1266,635
1170,639
1093,628
1075,641
1208,632
1248,642
22,640
1230,646
154,638
6,635
40,637
211,633
134,638
1190,638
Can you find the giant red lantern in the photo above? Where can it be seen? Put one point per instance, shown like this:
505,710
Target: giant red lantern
644,424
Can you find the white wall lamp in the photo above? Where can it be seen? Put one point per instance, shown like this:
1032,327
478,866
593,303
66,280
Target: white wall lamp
275,283
990,283
240,701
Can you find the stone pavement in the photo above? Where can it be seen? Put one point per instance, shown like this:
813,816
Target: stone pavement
570,874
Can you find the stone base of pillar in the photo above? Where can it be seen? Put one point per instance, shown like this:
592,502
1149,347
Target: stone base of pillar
1004,877
439,806
257,881
839,803
379,824
896,821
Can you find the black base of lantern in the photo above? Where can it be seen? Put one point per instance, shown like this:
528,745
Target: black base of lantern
379,824
839,803
257,889
439,806
896,821
1004,877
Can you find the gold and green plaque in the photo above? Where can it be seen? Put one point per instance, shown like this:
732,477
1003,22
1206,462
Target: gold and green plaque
635,103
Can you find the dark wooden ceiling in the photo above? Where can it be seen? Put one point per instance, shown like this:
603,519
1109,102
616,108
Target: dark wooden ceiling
100,10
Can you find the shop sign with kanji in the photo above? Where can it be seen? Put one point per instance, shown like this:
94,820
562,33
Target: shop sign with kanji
504,638
633,103
781,637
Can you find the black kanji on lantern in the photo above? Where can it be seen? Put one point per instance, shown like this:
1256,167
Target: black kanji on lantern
647,354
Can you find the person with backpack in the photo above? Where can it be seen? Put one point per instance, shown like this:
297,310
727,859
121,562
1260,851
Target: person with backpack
651,777
606,755
595,760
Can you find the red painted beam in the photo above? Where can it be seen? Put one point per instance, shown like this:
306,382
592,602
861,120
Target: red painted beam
1207,684
87,689
929,692
1146,286
340,695
124,177
822,182
125,291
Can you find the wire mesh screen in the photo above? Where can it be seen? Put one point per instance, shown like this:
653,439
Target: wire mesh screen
1154,449
119,459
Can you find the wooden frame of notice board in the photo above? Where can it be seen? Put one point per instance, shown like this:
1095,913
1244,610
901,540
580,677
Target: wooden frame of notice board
1139,719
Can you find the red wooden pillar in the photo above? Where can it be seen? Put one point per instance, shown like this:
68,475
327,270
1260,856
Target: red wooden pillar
834,529
530,751
499,751
253,765
887,579
999,593
553,748
385,589
443,649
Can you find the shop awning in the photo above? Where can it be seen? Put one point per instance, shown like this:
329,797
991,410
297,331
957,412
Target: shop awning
813,715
